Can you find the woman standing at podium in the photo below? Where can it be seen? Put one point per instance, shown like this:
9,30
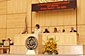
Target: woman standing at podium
37,30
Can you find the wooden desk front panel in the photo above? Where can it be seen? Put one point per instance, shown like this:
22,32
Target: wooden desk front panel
62,38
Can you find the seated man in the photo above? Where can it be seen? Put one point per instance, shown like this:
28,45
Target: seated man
11,42
72,29
46,31
63,30
55,30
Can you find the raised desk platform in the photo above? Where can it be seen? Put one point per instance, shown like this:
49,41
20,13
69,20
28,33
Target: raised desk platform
67,43
38,55
62,49
62,38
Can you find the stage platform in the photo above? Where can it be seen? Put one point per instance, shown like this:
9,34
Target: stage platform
67,43
62,49
40,55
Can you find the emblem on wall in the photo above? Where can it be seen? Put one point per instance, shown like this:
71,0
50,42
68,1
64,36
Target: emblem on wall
31,43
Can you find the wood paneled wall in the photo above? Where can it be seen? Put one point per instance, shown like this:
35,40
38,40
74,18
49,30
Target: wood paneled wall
13,13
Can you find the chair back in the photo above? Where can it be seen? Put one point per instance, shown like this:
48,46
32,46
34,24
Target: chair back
7,43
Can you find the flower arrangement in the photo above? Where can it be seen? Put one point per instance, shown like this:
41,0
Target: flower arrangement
50,47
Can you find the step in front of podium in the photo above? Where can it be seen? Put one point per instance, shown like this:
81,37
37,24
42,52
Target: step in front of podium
62,49
39,55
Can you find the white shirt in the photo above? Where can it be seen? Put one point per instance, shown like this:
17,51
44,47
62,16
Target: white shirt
37,31
11,42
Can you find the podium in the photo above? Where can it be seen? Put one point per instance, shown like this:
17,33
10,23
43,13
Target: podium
19,40
67,43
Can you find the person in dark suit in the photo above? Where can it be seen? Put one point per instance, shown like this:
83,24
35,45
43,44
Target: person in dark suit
55,30
72,29
46,31
63,30
11,42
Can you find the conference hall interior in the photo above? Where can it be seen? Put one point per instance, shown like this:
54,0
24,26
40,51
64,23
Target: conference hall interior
42,28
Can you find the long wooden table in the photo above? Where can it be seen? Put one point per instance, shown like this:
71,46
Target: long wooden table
38,55
62,38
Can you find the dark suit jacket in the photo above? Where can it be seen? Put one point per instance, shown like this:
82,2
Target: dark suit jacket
46,32
73,31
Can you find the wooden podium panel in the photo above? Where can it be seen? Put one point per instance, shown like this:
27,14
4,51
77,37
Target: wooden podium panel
21,38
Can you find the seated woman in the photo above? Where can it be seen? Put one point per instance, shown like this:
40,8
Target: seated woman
46,31
37,30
